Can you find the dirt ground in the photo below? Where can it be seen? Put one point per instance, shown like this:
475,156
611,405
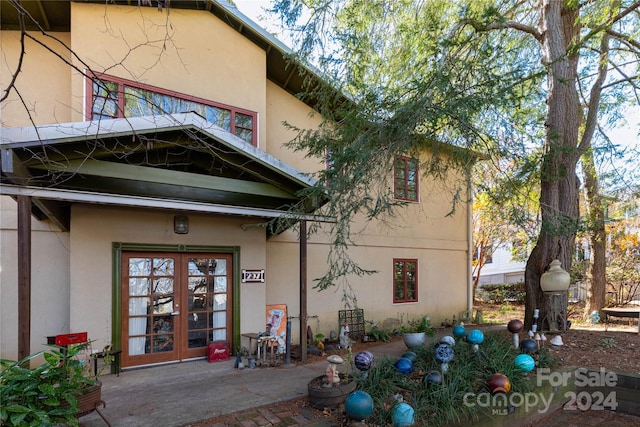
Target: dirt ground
585,345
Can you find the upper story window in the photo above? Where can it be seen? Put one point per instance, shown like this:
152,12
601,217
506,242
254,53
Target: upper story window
405,280
405,178
112,97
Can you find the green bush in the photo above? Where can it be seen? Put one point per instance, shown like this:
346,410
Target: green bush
503,292
45,395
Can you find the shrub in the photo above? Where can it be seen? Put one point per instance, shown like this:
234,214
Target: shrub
503,292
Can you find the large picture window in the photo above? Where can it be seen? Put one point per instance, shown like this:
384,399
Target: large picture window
112,97
405,280
405,177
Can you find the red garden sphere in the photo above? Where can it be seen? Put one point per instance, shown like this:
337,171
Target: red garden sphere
498,383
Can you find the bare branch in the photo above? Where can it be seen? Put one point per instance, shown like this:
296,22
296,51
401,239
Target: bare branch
514,25
623,38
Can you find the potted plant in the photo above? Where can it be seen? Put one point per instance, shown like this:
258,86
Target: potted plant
415,333
58,391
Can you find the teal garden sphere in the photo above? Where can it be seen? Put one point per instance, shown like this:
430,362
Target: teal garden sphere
475,336
459,331
524,362
359,405
403,415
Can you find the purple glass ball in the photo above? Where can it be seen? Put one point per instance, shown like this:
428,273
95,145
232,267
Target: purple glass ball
404,365
363,360
443,352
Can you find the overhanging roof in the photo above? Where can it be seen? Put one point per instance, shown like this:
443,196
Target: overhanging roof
178,161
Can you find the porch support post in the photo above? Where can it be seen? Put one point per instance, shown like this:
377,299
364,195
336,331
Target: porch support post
24,276
303,290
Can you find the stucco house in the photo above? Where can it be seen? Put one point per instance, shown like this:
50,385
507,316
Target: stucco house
140,162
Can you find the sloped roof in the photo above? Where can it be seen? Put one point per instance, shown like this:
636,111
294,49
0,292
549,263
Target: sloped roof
176,161
55,15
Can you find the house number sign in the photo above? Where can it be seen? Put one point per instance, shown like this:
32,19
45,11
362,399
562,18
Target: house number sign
252,276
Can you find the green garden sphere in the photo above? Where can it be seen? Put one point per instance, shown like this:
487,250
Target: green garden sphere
410,355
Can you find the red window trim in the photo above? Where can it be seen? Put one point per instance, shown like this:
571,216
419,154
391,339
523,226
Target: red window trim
405,159
121,82
404,260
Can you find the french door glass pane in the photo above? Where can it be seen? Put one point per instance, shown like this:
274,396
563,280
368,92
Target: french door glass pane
162,304
139,266
219,319
139,286
197,339
138,345
138,306
219,335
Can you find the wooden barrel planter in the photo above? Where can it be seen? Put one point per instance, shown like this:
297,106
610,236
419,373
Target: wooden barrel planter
89,400
329,397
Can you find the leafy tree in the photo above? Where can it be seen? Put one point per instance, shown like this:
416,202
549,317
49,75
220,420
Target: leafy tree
500,77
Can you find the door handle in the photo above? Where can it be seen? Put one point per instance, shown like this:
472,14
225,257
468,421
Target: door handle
175,313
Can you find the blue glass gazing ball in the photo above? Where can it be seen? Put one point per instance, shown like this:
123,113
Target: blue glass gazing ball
410,355
459,331
528,346
524,362
404,365
363,360
433,377
475,336
402,415
358,405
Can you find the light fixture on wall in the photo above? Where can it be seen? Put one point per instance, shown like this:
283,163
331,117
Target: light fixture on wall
181,224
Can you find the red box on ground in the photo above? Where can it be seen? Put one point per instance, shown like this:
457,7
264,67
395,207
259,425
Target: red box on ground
218,351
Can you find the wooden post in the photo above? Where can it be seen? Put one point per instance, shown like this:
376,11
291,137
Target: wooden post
24,276
303,290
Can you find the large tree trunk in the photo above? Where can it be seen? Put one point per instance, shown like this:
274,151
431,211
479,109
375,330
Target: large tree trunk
559,183
597,238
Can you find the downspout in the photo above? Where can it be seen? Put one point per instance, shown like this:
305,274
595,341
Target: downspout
469,243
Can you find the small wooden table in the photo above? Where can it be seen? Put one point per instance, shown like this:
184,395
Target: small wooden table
629,312
262,342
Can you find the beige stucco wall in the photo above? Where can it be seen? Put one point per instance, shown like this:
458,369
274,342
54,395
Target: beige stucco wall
282,107
420,231
94,230
187,51
50,250
46,102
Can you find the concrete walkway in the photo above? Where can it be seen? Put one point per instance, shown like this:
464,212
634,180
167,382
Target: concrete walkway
183,393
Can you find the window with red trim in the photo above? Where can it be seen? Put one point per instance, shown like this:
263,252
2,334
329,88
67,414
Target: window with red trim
405,179
405,280
113,97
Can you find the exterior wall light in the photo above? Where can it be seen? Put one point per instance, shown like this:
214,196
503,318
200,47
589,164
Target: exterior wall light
181,224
